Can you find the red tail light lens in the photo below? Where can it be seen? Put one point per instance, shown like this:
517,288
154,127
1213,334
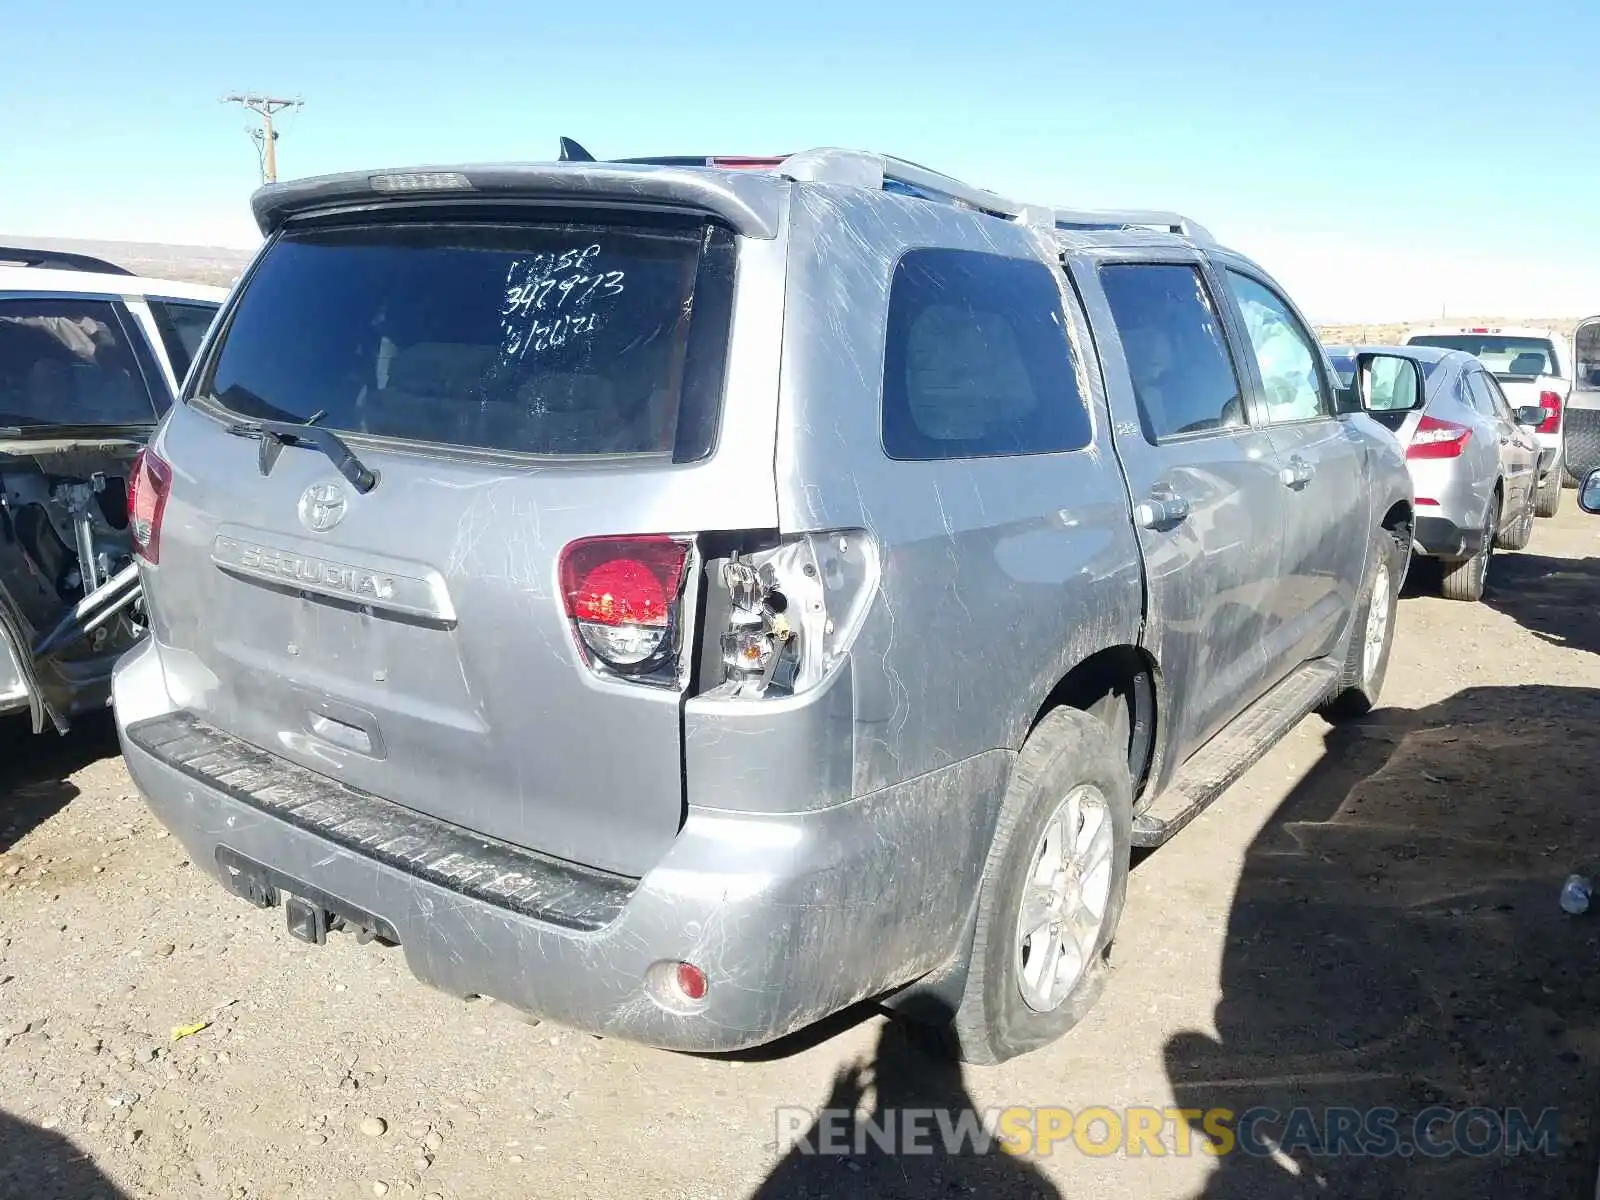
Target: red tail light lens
1551,403
147,503
1438,439
622,594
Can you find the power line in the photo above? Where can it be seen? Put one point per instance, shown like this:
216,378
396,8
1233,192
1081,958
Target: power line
266,137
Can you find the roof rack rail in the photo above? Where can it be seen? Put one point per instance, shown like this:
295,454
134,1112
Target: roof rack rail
1131,218
880,171
58,260
884,172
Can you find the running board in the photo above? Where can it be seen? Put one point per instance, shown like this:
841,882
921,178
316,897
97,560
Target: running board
1242,743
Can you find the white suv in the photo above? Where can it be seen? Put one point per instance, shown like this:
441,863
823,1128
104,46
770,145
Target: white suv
90,359
1533,366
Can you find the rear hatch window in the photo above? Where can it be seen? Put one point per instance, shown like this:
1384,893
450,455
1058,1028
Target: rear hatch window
547,339
1507,356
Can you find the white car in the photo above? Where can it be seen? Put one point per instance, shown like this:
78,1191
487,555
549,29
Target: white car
90,360
1533,367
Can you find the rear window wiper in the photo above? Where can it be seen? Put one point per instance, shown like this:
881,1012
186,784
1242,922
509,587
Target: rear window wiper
275,435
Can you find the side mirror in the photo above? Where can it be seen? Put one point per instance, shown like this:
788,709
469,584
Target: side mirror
1387,383
1531,416
1589,492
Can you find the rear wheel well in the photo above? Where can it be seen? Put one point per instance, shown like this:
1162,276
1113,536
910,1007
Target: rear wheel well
1117,685
1398,519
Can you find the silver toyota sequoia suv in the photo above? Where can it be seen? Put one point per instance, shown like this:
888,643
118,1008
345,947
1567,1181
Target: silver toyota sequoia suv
682,598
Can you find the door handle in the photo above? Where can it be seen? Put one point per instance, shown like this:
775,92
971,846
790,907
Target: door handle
1160,512
1297,473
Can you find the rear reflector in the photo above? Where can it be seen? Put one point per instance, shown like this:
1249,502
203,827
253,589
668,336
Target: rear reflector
691,981
1438,439
152,480
1551,403
622,595
678,987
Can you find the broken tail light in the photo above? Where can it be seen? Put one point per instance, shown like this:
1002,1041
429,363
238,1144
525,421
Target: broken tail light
624,597
1437,438
1551,403
152,481
794,610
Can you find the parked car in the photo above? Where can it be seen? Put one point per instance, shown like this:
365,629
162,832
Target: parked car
90,359
1473,458
1534,368
685,600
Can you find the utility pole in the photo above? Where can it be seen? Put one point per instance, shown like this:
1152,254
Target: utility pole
266,106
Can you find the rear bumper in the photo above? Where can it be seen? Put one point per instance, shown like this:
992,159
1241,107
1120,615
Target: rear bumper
792,917
1440,537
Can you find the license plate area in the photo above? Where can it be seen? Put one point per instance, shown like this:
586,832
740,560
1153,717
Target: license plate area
310,911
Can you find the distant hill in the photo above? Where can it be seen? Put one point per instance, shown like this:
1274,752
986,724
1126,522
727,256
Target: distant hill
217,265
1389,334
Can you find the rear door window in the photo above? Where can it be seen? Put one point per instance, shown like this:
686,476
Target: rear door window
1497,400
69,362
183,325
977,362
550,339
1183,375
1482,397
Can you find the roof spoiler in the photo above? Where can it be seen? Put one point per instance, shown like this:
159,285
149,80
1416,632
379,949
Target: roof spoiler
58,260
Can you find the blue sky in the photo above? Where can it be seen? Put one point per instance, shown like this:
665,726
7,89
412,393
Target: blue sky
1385,160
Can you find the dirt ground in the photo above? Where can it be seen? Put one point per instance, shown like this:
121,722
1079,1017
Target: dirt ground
1369,918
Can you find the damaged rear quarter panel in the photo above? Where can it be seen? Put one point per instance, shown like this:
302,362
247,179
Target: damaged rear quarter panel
998,574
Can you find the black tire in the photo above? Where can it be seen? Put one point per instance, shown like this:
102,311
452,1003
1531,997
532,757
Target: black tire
1067,750
1360,687
1466,580
1549,497
1519,533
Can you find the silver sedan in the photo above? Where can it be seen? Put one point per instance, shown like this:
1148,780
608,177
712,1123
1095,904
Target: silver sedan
1474,459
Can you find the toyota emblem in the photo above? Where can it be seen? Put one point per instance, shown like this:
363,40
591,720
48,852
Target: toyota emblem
322,507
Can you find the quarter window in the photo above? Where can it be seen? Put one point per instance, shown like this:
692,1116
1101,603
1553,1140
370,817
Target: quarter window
1286,355
1183,376
182,327
977,362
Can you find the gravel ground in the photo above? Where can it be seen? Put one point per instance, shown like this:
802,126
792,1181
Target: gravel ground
1369,918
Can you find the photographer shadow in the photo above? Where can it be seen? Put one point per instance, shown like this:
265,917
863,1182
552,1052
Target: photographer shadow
1395,943
910,1074
36,1164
